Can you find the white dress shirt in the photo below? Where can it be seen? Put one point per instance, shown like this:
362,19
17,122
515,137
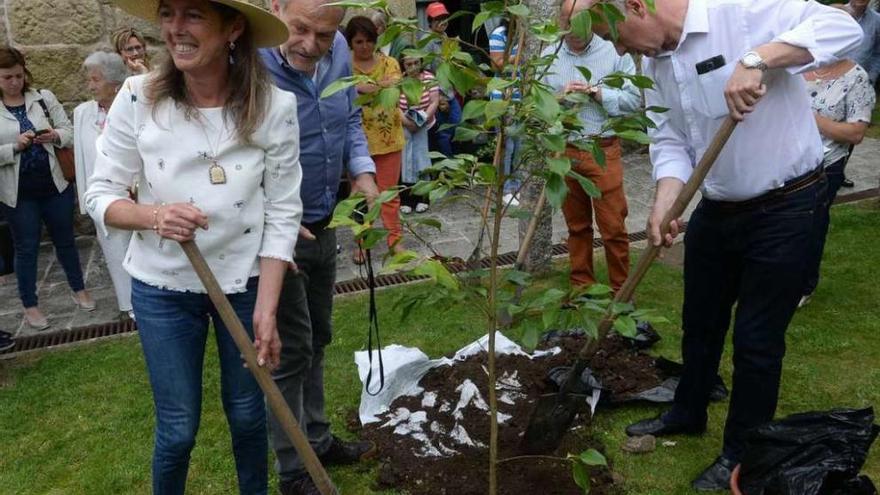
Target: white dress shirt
779,140
255,214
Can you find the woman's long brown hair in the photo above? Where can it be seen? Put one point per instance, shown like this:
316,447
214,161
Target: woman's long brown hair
248,83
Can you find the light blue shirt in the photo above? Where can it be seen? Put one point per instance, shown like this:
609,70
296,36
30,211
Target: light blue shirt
330,128
601,59
868,53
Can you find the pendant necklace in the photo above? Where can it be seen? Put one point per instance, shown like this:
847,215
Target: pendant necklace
216,173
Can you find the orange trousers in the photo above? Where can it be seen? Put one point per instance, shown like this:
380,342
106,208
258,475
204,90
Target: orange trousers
388,176
611,211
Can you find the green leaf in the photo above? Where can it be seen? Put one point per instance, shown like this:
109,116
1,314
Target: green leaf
495,109
519,213
437,272
580,476
429,222
391,33
481,19
463,133
519,10
656,109
581,25
517,277
498,84
634,135
530,338
549,316
370,237
559,165
341,84
389,98
626,326
592,457
412,88
556,190
598,290
473,109
546,105
553,142
588,185
588,76
488,173
643,82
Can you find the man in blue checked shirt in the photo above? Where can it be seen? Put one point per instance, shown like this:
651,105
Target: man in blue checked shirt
331,140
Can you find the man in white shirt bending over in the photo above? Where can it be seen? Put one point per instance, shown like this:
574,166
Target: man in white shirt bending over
748,241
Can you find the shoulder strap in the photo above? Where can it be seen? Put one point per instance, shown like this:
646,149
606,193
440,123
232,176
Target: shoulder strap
45,109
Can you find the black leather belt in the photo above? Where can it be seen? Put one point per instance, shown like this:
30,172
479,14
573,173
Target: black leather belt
792,186
315,227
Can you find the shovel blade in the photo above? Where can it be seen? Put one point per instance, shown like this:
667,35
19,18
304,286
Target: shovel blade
550,421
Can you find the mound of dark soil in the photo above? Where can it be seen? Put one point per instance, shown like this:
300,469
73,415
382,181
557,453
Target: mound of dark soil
405,466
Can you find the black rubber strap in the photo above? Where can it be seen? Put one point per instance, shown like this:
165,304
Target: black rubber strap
374,328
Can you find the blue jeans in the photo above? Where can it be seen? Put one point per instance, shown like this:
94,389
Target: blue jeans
755,258
173,328
25,222
835,174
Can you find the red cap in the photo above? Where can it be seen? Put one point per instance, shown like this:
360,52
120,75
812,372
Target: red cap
436,9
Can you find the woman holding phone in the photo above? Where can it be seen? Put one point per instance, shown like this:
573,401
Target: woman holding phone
33,190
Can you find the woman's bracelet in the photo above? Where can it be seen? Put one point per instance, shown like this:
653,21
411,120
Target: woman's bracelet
156,217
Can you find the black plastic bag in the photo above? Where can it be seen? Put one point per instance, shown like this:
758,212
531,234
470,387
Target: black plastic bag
814,453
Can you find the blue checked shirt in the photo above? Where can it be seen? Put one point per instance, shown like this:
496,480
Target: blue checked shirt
601,59
331,135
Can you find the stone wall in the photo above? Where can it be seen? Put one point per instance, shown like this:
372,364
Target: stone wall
57,35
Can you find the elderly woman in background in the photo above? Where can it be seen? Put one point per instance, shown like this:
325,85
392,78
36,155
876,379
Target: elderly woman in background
105,73
215,146
33,190
382,126
132,47
843,99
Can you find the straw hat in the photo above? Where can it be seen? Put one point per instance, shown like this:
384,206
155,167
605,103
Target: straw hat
266,29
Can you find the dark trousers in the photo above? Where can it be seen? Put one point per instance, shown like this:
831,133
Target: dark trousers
26,222
305,327
756,258
835,174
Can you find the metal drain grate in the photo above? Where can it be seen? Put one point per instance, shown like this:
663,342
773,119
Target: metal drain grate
64,337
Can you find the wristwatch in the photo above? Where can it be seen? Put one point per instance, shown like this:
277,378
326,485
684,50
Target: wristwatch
752,60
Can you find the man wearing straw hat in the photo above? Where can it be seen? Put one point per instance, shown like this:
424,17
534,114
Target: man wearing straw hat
331,140
216,144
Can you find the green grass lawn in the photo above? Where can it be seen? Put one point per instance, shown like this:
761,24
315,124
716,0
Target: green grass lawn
80,421
874,129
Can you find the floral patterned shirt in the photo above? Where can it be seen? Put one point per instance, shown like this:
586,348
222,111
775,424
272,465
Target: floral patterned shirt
382,126
849,98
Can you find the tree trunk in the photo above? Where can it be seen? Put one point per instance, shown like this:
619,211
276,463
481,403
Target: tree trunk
540,252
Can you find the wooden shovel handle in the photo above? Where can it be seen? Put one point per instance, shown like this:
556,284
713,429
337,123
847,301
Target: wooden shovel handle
273,395
681,202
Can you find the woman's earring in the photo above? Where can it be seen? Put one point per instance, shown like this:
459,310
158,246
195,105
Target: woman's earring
231,49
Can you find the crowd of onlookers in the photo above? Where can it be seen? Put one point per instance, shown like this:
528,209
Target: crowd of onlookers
210,139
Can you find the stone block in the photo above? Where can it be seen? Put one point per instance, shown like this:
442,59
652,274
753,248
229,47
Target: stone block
49,22
4,39
60,70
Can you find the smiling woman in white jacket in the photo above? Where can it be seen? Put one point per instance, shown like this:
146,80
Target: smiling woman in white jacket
105,73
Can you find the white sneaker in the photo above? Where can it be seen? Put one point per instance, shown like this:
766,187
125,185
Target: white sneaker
422,207
803,302
406,210
510,199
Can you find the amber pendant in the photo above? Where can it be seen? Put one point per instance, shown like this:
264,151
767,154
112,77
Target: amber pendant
218,175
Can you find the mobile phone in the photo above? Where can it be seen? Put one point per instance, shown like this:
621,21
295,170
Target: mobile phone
710,64
40,132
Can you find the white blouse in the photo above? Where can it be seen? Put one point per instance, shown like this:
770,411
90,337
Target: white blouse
254,214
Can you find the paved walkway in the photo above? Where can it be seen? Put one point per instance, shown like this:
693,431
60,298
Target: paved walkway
460,230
